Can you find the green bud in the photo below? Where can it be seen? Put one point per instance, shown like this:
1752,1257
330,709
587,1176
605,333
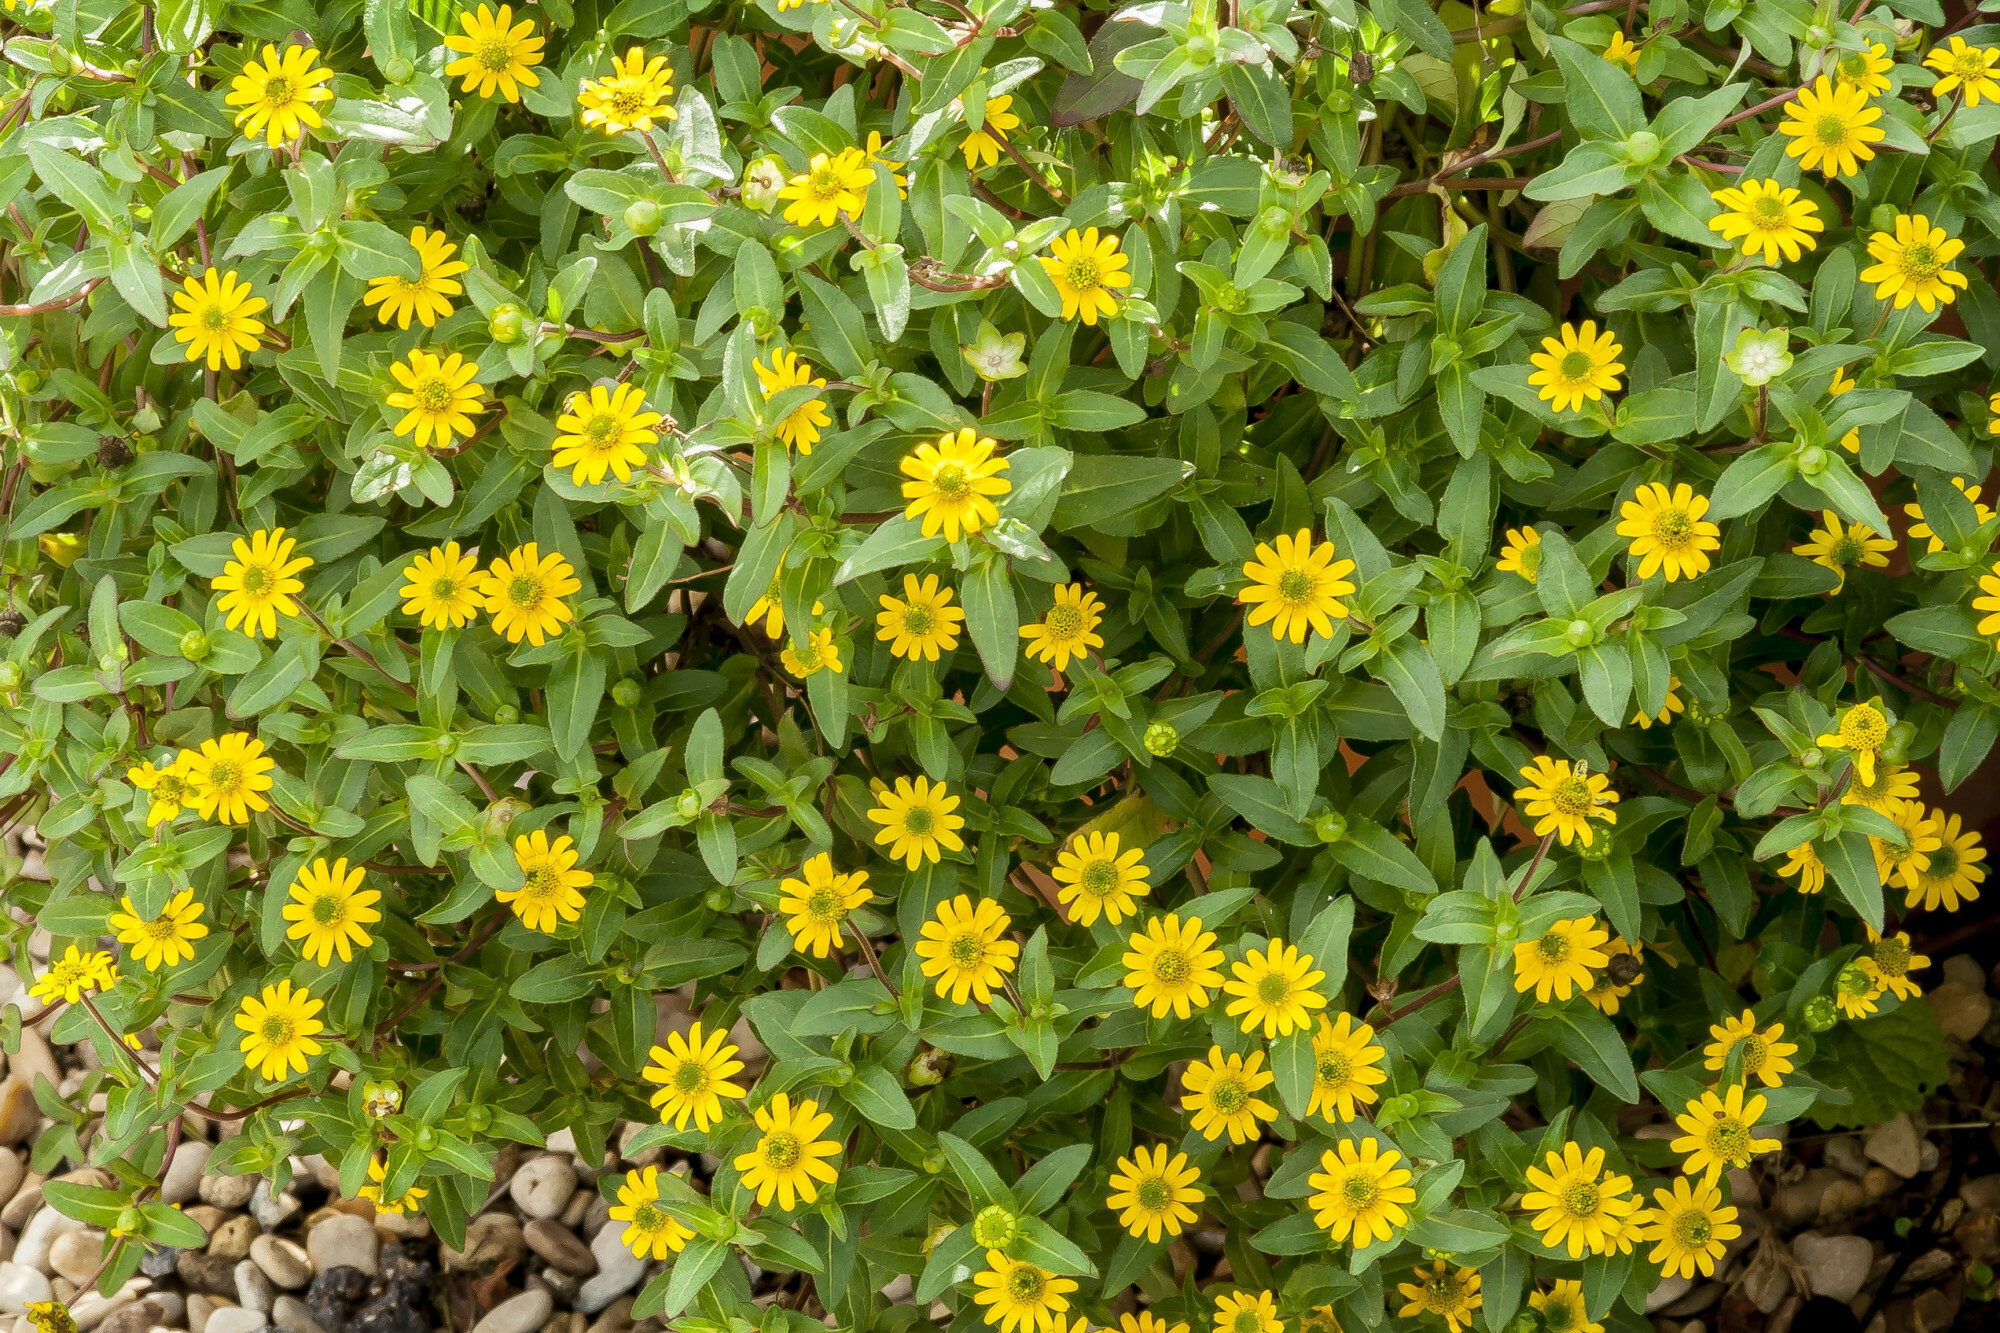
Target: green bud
506,715
12,677
994,1228
398,70
505,324
29,380
643,216
446,746
479,1119
1643,148
718,898
1811,461
929,1068
426,1140
1162,739
1199,49
1275,220
130,1220
1598,848
688,804
1821,1013
1330,827
1580,634
627,693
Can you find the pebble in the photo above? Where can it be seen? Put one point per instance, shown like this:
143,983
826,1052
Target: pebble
344,1240
1670,1290
233,1238
560,1246
1981,1194
236,1320
76,1254
1879,1183
228,1191
207,1273
1843,1152
35,1059
37,1238
1798,1203
617,1317
90,1309
26,1200
137,1317
1963,969
491,1239
519,1314
1844,1196
290,1313
22,1286
1978,1234
12,1172
543,1185
182,1183
1834,1266
282,1261
1896,1145
200,1308
18,1113
253,1290
1962,1011
1929,1266
206,1216
273,1210
1934,1311
618,1271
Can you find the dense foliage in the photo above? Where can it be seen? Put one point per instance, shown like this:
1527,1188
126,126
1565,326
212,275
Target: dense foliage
1278,620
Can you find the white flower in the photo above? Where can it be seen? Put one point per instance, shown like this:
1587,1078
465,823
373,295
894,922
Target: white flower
996,356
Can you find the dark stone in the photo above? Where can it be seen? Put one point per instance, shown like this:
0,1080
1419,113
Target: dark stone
134,1318
345,1300
207,1273
332,1296
157,1263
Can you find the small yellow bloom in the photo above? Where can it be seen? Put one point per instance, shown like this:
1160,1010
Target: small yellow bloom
637,93
1831,128
1084,270
982,146
280,97
1582,365
495,52
1841,549
1910,265
1965,69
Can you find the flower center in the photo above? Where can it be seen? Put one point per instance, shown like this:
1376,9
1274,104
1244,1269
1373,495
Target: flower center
1273,989
277,1030
326,910
824,906
646,1217
169,790
1831,131
1099,879
224,777
1358,1191
1064,621
278,91
1572,797
1577,365
1847,552
1228,1095
1083,274
1295,585
782,1150
1693,1229
1334,1068
496,53
1863,728
1970,65
1673,527
161,929
918,822
1768,212
918,621
1580,1199
1026,1284
524,590
1246,1321
432,395
1729,1138
214,318
542,883
1556,1316
627,101
600,428
951,482
1920,260
443,589
690,1077
1944,861
1552,948
1153,1195
1892,958
809,658
966,950
1852,67
1171,966
1754,1053
825,184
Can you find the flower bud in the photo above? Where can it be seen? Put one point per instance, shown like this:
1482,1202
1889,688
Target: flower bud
506,715
1162,739
1330,827
504,325
1580,634
399,70
1642,149
994,1228
643,216
627,693
1598,848
762,180
929,1068
1821,1013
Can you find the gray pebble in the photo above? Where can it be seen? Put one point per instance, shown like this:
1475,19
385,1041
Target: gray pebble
233,1238
234,1320
282,1261
253,1290
342,1240
228,1191
560,1246
543,1185
519,1314
182,1183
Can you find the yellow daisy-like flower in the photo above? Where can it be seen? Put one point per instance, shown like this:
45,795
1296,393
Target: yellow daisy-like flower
1247,1312
168,939
257,586
1221,1094
1451,1294
651,1232
1770,219
1152,1194
820,653
495,52
917,821
525,593
1988,603
953,483
1582,365
1831,128
167,787
829,186
1910,264
228,777
1069,630
1841,549
1099,878
443,588
1718,1133
214,319
378,1175
280,97
1620,51
331,911
1296,586
1562,960
1866,70
1967,70
1344,1073
1993,406
1951,873
1617,979
1019,1296
1892,960
279,1030
770,608
1563,800
1672,705
1856,989
1274,990
1690,1228
693,1073
1921,529
605,430
1147,1322
1171,966
1361,1192
437,399
75,975
874,153
637,92
789,1162
802,425
982,146
1084,269
1766,1057
54,1316
1668,532
1885,795
815,908
1521,554
1861,731
425,298
922,623
552,887
1901,864
964,949
1581,1206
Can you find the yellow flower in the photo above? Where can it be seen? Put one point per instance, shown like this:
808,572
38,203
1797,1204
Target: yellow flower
280,97
1242,1312
1171,966
770,608
1620,51
1861,732
1902,863
952,484
378,1175
1965,69
495,52
425,298
1521,554
75,975
873,153
1831,128
279,1031
1296,586
1672,705
965,951
331,911
1766,1057
1910,265
1841,549
54,1316
1606,988
1951,872
1274,990
1582,365
815,908
1562,960
637,93
922,623
1922,529
167,787
605,431
1993,406
1719,1133
437,399
1668,532
1084,269
820,653
1989,603
1563,801
525,593
828,187
1770,219
167,939
552,884
1147,1322
1221,1093
1856,989
1450,1294
651,1232
789,1161
1690,1228
917,821
443,588
1098,878
1866,70
1068,630
1360,1192
982,146
1344,1073
228,776
802,425
1020,1296
1891,960
258,584
693,1073
215,319
1885,795
1581,1205
1151,1194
